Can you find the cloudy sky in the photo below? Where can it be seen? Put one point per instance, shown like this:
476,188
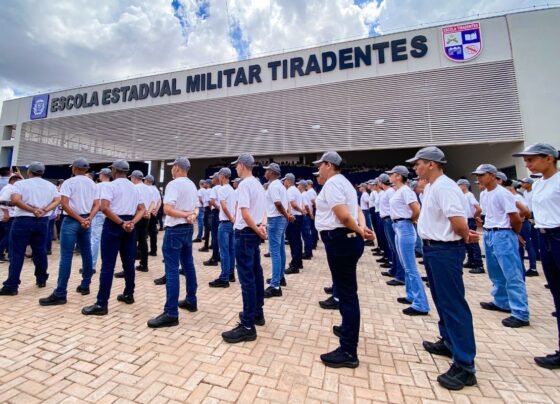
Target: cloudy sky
49,45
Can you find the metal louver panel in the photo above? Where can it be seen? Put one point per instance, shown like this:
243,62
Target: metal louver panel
465,104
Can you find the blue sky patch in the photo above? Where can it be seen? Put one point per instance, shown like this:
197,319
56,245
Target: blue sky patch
240,44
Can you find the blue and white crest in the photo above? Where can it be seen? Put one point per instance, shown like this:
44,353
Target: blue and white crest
39,106
463,42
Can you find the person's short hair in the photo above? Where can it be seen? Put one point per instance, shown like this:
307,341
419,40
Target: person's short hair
5,171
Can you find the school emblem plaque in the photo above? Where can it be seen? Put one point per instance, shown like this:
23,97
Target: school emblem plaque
462,42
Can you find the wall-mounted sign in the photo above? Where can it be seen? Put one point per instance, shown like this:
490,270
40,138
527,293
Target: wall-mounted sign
463,42
39,106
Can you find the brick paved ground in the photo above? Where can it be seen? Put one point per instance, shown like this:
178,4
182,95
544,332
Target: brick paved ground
55,354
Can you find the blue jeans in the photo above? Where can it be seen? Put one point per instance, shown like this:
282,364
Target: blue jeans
550,256
5,242
531,253
215,238
200,223
276,228
307,236
26,231
418,245
444,267
506,273
535,240
405,240
227,249
377,224
294,238
115,240
250,273
367,217
474,255
343,254
50,234
71,233
397,269
96,229
177,248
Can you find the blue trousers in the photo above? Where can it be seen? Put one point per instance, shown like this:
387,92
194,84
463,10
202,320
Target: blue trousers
343,254
177,248
307,236
535,240
550,256
227,249
531,252
5,242
115,240
506,272
96,230
71,233
50,233
276,228
418,245
397,269
474,255
250,274
200,223
215,238
377,224
444,267
367,217
27,230
294,238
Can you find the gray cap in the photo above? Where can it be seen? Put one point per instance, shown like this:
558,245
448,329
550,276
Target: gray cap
538,149
150,178
290,177
430,153
246,159
237,179
181,162
37,167
500,175
120,165
137,174
226,172
384,178
273,167
528,180
485,168
515,184
302,182
309,182
213,175
106,171
464,182
80,162
363,184
370,182
402,170
329,157
209,182
413,185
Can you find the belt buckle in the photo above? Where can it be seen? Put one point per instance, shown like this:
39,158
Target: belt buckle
351,235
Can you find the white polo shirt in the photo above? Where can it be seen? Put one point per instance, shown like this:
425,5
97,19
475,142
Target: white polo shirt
250,195
400,203
364,201
156,197
227,194
276,192
145,194
442,199
214,194
470,204
383,202
35,192
123,196
497,204
546,202
182,195
295,195
81,192
336,191
373,200
311,194
6,196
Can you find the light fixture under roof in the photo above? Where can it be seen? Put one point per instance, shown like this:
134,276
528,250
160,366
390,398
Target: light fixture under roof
264,131
315,127
379,121
139,140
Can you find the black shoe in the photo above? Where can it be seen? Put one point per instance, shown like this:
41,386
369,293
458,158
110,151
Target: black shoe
382,260
387,273
181,271
551,361
386,265
514,322
210,263
492,307
437,348
328,290
259,320
329,304
267,255
531,272
403,300
163,320
119,274
141,268
282,281
395,282
553,314
7,292
128,299
468,265
410,311
291,270
197,240
188,306
340,359
479,270
456,378
240,334
152,254
218,283
424,279
41,284
160,281
82,291
307,257
49,252
52,300
272,292
231,278
421,262
204,249
547,286
377,254
95,310
337,330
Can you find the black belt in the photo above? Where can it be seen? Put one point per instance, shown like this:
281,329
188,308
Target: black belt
555,230
341,231
497,229
247,230
437,242
385,217
225,221
178,225
401,219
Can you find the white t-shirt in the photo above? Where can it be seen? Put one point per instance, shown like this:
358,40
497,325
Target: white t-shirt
364,201
145,194
295,195
81,193
373,199
442,199
156,197
336,191
226,193
6,196
400,203
214,194
519,198
528,195
276,193
182,195
35,192
123,196
98,187
305,202
383,202
311,194
250,194
546,202
200,197
497,204
470,204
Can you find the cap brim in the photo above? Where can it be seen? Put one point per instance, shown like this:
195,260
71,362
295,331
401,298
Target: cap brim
172,163
412,160
317,162
524,153
234,162
390,172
